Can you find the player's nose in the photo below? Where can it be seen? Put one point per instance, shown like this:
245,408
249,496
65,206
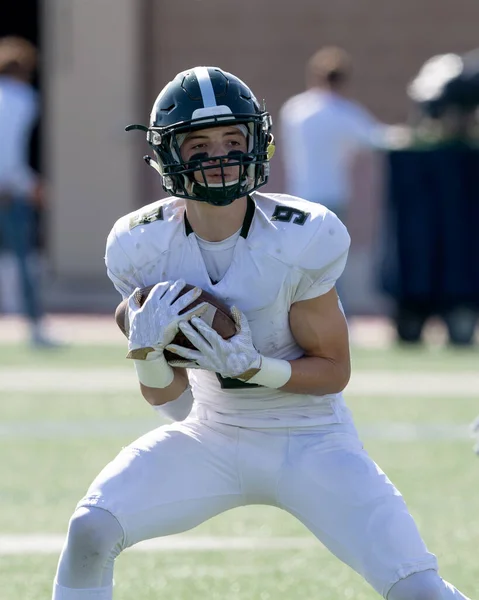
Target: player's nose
218,149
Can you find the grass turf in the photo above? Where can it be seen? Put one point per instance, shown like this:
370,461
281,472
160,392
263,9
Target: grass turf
53,444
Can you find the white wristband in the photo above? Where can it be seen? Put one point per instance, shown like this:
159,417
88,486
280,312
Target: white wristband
154,372
273,373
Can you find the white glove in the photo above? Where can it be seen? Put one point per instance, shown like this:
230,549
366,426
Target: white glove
236,357
154,325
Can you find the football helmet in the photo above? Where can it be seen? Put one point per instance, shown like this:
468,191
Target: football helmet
199,98
445,81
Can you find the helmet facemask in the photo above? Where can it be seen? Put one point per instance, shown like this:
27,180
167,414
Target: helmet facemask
188,179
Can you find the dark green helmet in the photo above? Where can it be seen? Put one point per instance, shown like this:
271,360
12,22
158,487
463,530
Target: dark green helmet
446,81
200,98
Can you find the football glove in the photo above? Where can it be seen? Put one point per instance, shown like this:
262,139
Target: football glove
236,357
154,325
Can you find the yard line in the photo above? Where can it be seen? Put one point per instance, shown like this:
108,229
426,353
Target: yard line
363,383
408,432
99,428
86,429
53,543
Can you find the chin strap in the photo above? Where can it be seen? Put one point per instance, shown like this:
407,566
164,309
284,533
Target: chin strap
151,162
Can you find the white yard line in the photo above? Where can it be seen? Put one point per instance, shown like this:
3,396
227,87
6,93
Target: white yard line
114,380
68,429
409,432
92,429
363,383
53,543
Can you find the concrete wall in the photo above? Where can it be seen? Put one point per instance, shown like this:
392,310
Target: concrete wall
90,80
108,59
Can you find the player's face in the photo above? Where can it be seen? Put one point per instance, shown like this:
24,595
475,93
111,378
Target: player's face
215,141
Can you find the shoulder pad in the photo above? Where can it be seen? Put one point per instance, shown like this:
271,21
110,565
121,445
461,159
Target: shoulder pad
140,236
307,233
146,215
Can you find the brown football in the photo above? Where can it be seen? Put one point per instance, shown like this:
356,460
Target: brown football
218,316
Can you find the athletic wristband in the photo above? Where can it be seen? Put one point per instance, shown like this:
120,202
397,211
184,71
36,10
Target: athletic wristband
154,371
273,373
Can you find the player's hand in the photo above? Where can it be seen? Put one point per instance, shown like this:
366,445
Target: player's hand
155,324
235,357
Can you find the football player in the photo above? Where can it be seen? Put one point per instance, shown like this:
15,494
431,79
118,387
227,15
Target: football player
269,424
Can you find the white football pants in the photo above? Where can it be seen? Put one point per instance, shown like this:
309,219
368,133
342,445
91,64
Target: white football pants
179,475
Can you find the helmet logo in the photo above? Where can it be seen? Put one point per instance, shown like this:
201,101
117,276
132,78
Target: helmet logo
211,111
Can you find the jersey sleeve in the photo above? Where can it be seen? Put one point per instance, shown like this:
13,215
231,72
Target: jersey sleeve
119,267
323,259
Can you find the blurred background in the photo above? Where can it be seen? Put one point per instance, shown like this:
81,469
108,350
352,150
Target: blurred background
412,277
102,64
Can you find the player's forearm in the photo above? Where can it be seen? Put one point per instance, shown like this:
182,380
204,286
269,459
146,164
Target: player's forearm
306,375
158,396
317,376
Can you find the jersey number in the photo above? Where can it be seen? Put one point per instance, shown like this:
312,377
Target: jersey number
146,217
286,213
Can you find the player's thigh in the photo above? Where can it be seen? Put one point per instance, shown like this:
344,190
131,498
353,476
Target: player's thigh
343,497
169,480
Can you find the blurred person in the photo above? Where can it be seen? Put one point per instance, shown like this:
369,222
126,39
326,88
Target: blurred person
445,95
21,190
431,259
322,129
445,99
260,418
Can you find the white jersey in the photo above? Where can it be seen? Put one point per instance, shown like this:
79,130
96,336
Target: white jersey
289,250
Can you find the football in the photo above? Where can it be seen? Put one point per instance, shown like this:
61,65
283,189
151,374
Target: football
217,316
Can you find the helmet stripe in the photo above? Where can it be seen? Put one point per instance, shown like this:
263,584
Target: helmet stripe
206,87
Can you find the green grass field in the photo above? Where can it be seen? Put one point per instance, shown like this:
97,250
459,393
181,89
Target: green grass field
53,441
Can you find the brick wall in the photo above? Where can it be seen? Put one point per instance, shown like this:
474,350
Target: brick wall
266,43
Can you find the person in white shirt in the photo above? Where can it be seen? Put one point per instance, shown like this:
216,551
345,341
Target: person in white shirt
20,185
321,130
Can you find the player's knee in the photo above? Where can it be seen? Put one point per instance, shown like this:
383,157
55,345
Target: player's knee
93,534
425,585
